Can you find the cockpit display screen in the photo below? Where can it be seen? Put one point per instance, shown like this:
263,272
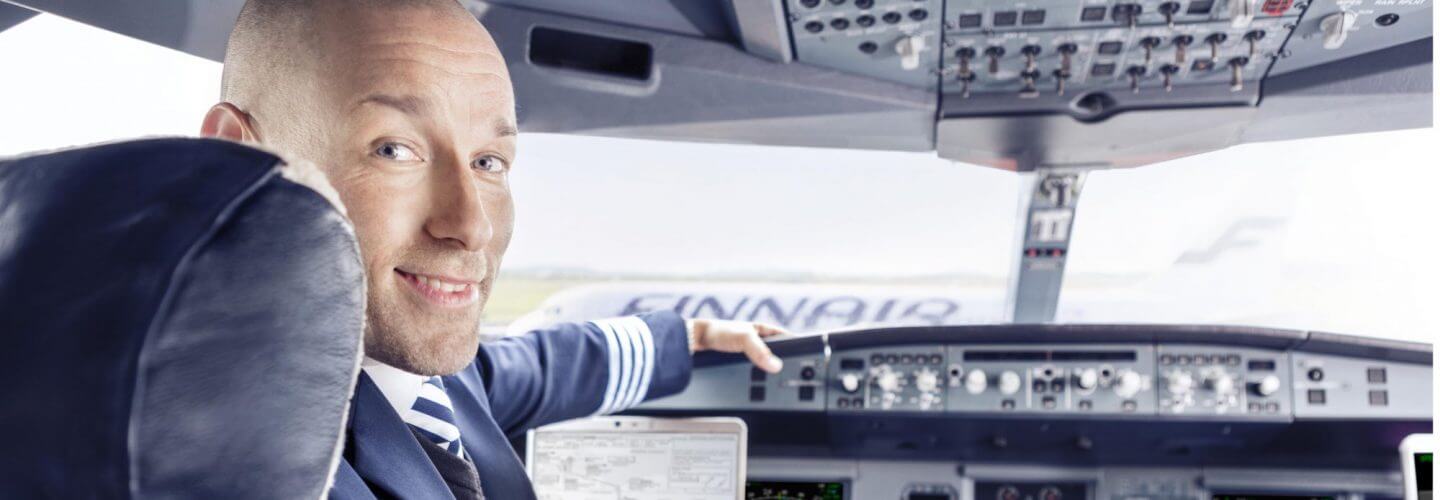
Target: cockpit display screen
794,490
1219,496
1425,474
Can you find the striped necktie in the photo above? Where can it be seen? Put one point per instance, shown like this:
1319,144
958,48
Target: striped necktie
433,418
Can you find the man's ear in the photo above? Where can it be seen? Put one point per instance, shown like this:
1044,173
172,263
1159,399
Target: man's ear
225,121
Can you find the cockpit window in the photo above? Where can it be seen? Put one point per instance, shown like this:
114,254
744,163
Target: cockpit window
1327,234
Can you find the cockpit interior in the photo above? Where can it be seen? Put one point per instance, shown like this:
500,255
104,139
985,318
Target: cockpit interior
897,394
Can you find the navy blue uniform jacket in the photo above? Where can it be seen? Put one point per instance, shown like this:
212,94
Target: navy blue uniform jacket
515,384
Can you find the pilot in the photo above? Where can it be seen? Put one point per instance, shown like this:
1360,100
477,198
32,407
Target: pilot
407,107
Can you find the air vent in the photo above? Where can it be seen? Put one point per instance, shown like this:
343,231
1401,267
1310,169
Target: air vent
587,53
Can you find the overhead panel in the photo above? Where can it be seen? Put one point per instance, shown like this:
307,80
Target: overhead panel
893,40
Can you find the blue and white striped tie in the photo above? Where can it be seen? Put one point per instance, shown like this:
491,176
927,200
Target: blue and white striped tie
433,417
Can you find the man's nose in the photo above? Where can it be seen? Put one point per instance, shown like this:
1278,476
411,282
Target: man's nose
457,214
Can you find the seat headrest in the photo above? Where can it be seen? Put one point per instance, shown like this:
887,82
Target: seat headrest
176,320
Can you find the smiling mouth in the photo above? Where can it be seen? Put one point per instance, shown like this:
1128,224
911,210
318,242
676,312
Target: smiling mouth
442,291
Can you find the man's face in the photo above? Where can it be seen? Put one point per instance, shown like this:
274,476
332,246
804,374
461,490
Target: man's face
419,139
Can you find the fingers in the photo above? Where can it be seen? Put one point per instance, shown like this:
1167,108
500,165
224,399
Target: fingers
766,330
760,354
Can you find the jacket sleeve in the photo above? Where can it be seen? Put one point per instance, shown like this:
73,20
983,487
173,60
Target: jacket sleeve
578,370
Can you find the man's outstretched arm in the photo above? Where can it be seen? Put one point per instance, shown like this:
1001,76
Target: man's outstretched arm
605,366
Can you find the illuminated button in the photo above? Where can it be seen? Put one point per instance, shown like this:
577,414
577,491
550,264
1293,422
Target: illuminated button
757,393
1315,396
1006,18
970,20
756,374
1379,398
1110,48
1375,375
1200,7
1092,14
1032,17
1104,69
807,393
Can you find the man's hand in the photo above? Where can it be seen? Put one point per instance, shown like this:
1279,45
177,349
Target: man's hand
735,336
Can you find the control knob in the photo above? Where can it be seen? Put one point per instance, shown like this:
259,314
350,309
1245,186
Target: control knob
850,382
1178,382
888,381
1267,386
1009,382
1127,384
975,382
1087,379
1219,382
926,380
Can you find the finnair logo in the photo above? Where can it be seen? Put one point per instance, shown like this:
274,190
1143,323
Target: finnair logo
802,313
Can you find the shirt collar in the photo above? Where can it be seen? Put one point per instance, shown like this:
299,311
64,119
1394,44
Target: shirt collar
399,386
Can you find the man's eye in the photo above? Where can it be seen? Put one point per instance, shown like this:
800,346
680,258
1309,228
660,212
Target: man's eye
490,163
397,152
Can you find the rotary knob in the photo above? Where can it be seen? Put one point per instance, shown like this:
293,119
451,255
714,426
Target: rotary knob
1009,382
888,381
1179,382
926,380
850,382
1087,379
1267,386
1127,384
1219,382
975,382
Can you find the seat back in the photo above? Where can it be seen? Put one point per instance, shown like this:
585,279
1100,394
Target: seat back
176,320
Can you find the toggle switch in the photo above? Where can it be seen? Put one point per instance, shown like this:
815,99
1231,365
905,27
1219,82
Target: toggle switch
1135,72
994,52
1169,9
1181,43
1060,77
1237,65
1030,52
1253,37
1214,42
1028,89
1149,43
1167,73
965,85
1066,50
965,54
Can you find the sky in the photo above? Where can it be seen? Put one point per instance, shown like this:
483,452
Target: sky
1332,233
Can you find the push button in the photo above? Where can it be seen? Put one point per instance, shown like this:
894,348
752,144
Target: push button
1315,396
1379,398
1006,18
757,393
1375,375
756,374
807,393
970,20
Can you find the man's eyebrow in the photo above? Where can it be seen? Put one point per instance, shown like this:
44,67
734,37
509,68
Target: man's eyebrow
505,129
407,104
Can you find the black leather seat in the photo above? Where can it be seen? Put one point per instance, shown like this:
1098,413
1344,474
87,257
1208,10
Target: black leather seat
176,320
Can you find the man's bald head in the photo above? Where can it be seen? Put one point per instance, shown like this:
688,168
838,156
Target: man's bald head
407,107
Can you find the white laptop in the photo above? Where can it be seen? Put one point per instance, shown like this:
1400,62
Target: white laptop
638,458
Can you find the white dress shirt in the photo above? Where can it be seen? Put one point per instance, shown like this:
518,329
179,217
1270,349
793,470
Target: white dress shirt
399,386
